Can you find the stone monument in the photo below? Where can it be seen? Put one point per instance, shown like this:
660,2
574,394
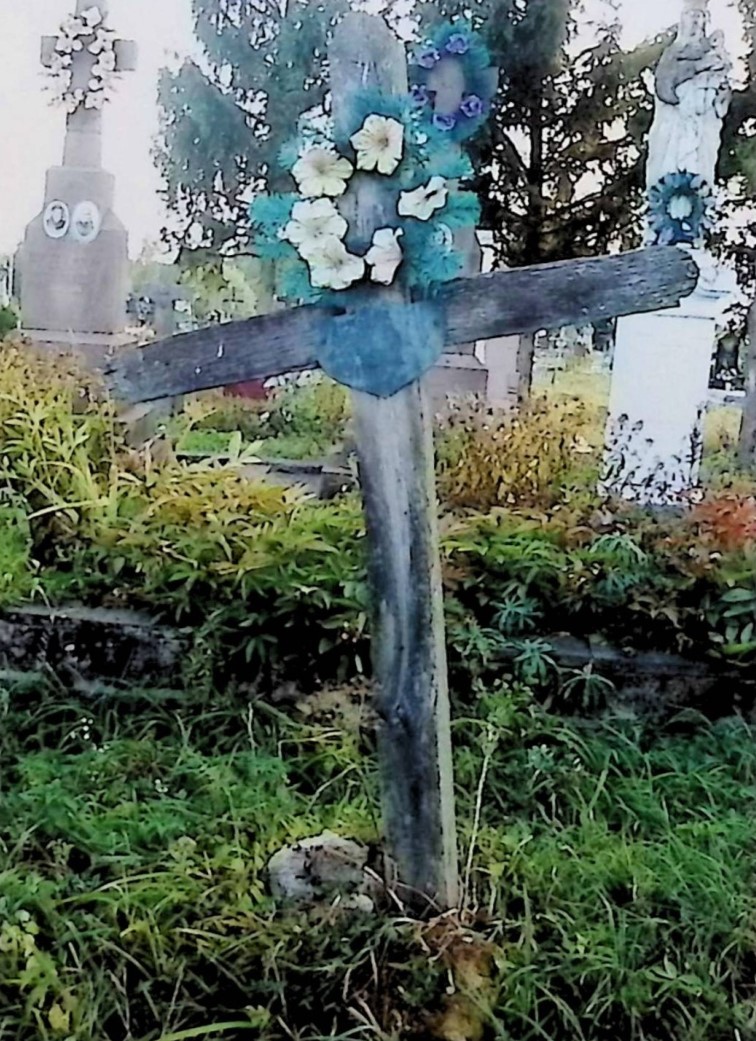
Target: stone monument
74,258
662,360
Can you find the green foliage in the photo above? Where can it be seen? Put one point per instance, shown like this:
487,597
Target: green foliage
226,118
612,867
273,584
225,125
306,419
535,457
8,321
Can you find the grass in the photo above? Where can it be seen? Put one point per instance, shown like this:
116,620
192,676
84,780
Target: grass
610,887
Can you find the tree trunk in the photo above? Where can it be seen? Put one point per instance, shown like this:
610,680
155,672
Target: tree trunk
747,441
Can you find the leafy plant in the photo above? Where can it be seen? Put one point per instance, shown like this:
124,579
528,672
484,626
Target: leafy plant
533,458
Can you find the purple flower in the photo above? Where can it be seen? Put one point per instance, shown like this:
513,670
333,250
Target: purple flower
472,106
428,58
442,122
420,94
458,43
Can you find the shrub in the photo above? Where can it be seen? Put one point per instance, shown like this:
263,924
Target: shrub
536,458
306,418
8,321
59,442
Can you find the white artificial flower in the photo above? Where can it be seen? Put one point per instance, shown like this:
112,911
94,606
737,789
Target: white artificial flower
423,202
333,267
95,101
379,144
320,171
92,16
107,61
311,224
104,41
385,255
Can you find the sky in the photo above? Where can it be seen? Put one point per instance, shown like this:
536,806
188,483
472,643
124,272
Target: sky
32,131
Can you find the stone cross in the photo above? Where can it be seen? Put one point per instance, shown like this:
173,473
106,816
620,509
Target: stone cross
395,446
74,258
83,146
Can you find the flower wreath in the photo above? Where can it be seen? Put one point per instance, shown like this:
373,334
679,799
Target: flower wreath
306,233
76,33
680,208
455,42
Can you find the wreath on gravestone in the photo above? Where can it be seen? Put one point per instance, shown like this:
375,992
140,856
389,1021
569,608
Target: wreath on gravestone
681,208
77,33
455,43
395,140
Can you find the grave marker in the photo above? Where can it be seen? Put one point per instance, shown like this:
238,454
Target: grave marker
662,360
74,258
395,446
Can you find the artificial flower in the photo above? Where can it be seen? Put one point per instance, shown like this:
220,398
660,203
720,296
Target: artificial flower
427,58
92,16
107,61
385,255
472,106
320,171
312,224
104,41
420,94
379,144
333,267
444,121
423,202
458,43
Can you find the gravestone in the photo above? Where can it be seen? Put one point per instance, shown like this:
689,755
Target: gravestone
74,258
662,360
376,335
500,355
461,373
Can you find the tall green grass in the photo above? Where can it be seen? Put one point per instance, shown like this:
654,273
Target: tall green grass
609,875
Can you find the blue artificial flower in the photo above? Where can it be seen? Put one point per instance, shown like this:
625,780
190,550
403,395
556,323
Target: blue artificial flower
420,94
458,43
444,122
472,106
427,58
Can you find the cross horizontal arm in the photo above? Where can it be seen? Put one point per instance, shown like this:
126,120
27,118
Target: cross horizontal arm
570,292
547,296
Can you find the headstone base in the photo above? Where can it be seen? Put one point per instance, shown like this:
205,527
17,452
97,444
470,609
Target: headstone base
456,376
501,357
660,382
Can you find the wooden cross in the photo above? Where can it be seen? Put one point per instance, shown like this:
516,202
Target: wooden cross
396,450
83,147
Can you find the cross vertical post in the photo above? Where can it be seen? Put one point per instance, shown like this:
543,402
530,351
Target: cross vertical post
395,449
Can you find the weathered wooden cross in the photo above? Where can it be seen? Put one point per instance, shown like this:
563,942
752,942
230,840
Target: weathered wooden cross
396,450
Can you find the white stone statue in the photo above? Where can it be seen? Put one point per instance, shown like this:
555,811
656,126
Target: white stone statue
693,93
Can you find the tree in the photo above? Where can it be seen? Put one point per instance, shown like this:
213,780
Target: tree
737,172
559,168
226,117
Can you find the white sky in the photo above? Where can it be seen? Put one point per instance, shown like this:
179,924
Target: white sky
31,131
